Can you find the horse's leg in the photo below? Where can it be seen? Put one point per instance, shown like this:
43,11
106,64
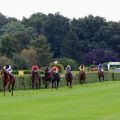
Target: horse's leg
52,84
70,83
55,84
80,81
5,87
67,83
9,88
99,79
58,83
103,77
4,90
13,84
83,80
36,84
39,82
33,84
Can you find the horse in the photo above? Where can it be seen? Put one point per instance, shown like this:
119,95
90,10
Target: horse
8,81
100,76
82,77
36,80
47,79
69,78
55,80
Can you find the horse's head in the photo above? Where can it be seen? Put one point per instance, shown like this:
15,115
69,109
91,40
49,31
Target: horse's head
68,74
34,74
3,71
55,75
4,74
82,72
100,73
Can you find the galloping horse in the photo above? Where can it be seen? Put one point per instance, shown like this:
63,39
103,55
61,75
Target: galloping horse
55,80
47,79
100,76
82,77
36,80
8,81
69,78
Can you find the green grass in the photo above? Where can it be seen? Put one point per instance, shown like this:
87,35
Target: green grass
95,101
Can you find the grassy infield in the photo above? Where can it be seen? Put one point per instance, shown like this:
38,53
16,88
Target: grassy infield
92,101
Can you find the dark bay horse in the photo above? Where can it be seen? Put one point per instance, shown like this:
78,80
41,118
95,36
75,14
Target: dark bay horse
8,81
100,76
36,80
55,80
69,78
47,79
82,77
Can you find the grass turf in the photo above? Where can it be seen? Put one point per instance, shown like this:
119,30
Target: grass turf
93,101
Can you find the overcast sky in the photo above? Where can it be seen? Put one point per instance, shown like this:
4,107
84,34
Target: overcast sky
110,9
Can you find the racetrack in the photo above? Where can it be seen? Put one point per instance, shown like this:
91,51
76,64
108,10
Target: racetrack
92,101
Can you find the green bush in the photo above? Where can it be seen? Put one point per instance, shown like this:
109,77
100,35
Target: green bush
60,67
92,66
15,72
105,66
26,71
67,61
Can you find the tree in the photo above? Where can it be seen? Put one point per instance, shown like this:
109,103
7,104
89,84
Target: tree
3,61
7,45
100,56
30,56
43,50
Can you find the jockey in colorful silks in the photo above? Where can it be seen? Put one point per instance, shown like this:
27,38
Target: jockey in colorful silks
68,69
82,67
8,69
35,68
55,69
99,67
47,69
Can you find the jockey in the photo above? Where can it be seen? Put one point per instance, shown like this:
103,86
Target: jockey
35,68
99,67
9,70
55,69
68,69
47,69
82,67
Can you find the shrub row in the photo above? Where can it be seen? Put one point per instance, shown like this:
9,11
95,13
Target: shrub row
24,82
16,72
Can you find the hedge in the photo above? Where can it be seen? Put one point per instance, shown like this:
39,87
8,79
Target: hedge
26,72
24,82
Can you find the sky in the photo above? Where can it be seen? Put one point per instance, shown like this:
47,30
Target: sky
110,9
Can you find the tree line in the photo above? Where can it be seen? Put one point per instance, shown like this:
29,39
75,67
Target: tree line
42,38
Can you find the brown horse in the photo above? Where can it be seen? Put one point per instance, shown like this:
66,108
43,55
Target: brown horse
47,79
82,77
36,80
55,80
100,76
8,81
69,78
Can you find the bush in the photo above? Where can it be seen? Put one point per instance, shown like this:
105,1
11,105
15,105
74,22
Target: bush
15,72
105,66
26,71
92,66
68,61
60,67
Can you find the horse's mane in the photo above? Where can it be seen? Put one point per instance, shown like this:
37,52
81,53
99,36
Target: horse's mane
82,72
